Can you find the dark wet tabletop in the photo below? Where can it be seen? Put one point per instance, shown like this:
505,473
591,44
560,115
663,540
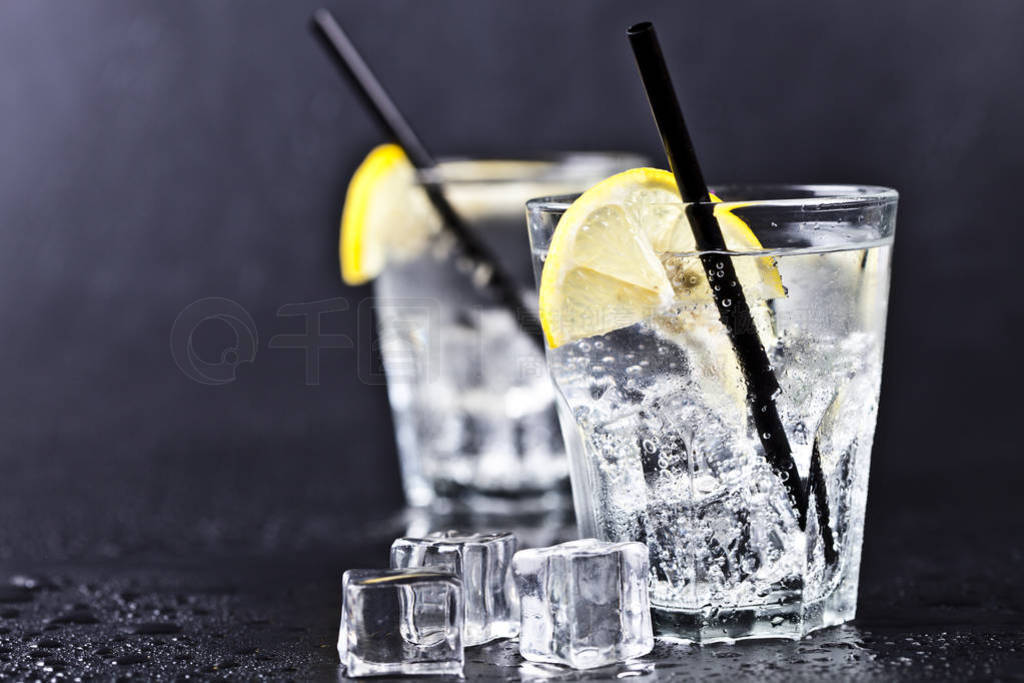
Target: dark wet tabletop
939,600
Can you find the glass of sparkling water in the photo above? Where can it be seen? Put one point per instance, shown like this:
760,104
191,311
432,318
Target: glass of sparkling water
472,403
661,443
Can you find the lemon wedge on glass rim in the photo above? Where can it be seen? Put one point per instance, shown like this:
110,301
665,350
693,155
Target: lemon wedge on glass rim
624,250
387,216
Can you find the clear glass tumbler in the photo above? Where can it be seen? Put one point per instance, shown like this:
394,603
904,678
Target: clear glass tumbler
661,441
472,402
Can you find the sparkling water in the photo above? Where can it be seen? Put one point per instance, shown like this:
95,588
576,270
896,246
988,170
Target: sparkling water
664,451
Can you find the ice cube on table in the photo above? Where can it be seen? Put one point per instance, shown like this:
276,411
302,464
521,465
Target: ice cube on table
401,622
484,563
584,603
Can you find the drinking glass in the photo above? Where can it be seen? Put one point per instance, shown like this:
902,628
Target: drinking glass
472,403
661,443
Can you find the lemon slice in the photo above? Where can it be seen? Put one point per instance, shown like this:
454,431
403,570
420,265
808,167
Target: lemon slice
618,255
387,216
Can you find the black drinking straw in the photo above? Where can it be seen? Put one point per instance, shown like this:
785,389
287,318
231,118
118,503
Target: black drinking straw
488,271
762,386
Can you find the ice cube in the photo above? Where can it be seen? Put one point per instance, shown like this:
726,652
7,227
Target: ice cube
484,563
584,603
401,622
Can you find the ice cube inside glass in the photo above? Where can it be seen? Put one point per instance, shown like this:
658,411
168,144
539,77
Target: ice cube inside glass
658,427
401,622
584,603
484,563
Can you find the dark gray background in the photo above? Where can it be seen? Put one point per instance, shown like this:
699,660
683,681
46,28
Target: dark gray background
157,153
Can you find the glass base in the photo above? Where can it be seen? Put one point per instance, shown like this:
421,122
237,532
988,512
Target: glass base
789,621
359,669
448,497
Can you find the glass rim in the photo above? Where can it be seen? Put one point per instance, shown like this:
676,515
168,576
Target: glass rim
541,166
821,197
